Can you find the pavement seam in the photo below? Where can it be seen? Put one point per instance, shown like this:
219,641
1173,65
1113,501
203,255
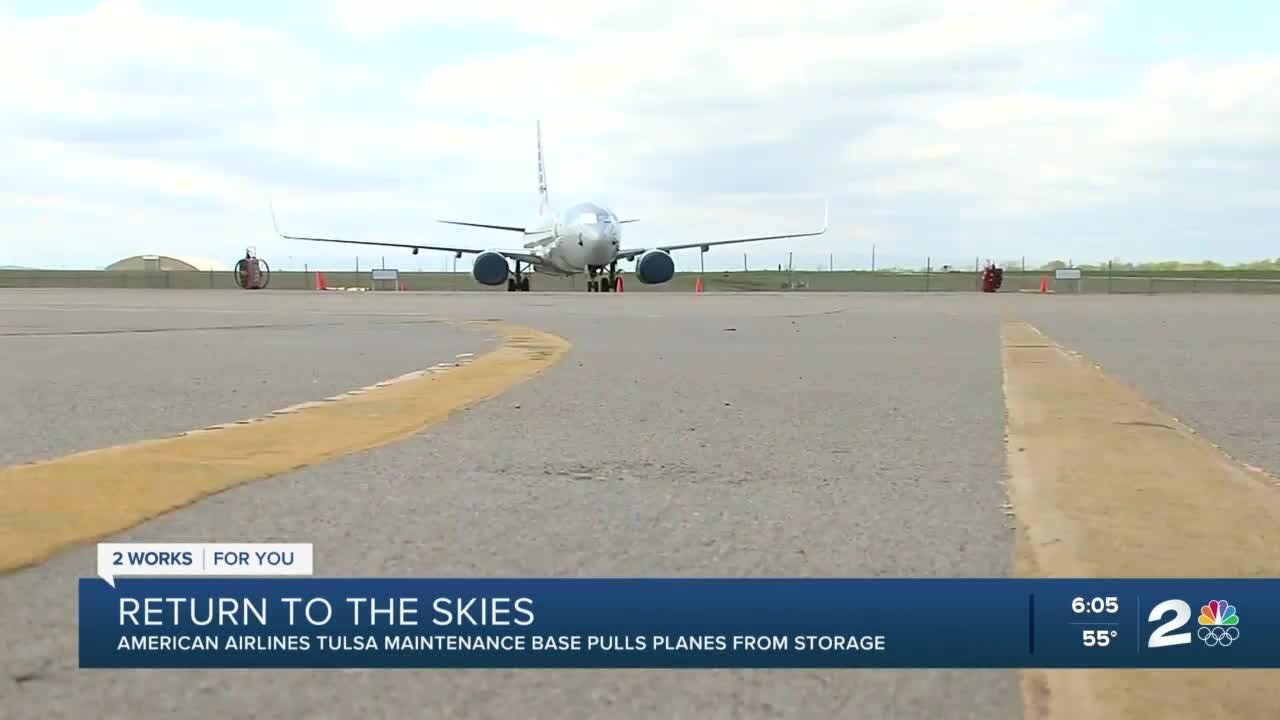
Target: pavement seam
55,504
1106,484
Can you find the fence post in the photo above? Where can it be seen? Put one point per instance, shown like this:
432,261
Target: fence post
1108,277
928,266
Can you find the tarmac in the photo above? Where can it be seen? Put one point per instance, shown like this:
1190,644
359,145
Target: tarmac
1210,361
88,369
780,434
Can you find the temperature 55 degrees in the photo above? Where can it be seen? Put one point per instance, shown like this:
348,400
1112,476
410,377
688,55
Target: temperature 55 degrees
1098,638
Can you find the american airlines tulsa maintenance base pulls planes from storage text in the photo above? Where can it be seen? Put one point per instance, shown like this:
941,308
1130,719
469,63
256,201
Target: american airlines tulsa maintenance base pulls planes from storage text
586,238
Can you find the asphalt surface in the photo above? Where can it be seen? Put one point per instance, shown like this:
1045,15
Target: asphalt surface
1210,360
749,435
89,369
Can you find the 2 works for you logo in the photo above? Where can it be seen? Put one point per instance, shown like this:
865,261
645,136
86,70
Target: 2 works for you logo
1218,624
202,559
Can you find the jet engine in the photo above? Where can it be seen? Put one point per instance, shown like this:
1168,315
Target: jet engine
490,268
655,267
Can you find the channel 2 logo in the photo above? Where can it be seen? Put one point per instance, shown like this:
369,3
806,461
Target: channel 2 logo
1218,624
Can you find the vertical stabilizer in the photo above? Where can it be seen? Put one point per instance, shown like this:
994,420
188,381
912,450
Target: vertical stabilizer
544,202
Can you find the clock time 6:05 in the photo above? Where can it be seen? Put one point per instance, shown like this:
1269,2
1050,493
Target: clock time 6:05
1095,605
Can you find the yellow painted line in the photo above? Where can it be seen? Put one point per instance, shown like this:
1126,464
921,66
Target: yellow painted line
1105,484
50,505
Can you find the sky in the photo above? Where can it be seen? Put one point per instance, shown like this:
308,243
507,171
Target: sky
939,131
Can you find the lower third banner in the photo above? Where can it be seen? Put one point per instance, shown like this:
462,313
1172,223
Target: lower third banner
678,623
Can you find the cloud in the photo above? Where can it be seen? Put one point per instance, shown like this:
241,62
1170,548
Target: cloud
726,100
938,110
1023,154
948,130
189,124
558,18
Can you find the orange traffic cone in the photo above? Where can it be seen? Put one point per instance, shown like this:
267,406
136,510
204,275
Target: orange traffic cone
320,283
619,287
697,286
1044,283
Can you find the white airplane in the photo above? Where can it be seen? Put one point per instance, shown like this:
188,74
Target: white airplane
587,238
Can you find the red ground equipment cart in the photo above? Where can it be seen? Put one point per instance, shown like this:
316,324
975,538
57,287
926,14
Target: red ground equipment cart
992,278
252,272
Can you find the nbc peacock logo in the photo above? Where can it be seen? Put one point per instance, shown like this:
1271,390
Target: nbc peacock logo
1218,624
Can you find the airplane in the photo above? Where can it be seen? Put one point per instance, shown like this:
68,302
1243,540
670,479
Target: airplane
586,238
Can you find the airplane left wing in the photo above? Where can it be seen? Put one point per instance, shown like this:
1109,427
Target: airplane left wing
632,253
520,255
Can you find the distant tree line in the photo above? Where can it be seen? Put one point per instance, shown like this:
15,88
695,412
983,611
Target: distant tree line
1162,266
1118,266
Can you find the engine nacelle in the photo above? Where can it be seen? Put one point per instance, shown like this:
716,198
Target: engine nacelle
490,268
655,267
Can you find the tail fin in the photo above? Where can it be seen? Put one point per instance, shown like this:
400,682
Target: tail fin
544,202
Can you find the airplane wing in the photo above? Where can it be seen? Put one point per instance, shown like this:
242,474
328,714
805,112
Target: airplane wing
632,253
508,228
415,247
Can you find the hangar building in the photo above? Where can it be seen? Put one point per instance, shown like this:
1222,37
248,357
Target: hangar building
166,263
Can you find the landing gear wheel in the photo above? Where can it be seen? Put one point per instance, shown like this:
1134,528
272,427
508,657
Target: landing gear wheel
591,286
511,284
613,276
524,285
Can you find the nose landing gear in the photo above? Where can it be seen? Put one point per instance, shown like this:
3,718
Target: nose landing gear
519,283
603,284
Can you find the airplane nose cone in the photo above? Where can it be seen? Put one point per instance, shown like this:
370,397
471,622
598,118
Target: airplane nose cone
599,249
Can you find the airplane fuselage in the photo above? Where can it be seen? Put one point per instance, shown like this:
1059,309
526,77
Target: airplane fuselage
585,236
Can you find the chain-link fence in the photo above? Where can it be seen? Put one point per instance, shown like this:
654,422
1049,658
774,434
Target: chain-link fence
928,280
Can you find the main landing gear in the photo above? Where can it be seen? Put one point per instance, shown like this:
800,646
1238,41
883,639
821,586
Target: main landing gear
519,283
606,282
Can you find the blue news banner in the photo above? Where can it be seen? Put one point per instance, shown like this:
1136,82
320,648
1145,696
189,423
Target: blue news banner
678,623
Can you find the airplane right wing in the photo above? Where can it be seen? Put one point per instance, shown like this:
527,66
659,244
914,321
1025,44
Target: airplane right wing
520,255
541,235
508,228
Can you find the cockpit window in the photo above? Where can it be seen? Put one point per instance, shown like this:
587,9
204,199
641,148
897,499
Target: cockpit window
587,214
